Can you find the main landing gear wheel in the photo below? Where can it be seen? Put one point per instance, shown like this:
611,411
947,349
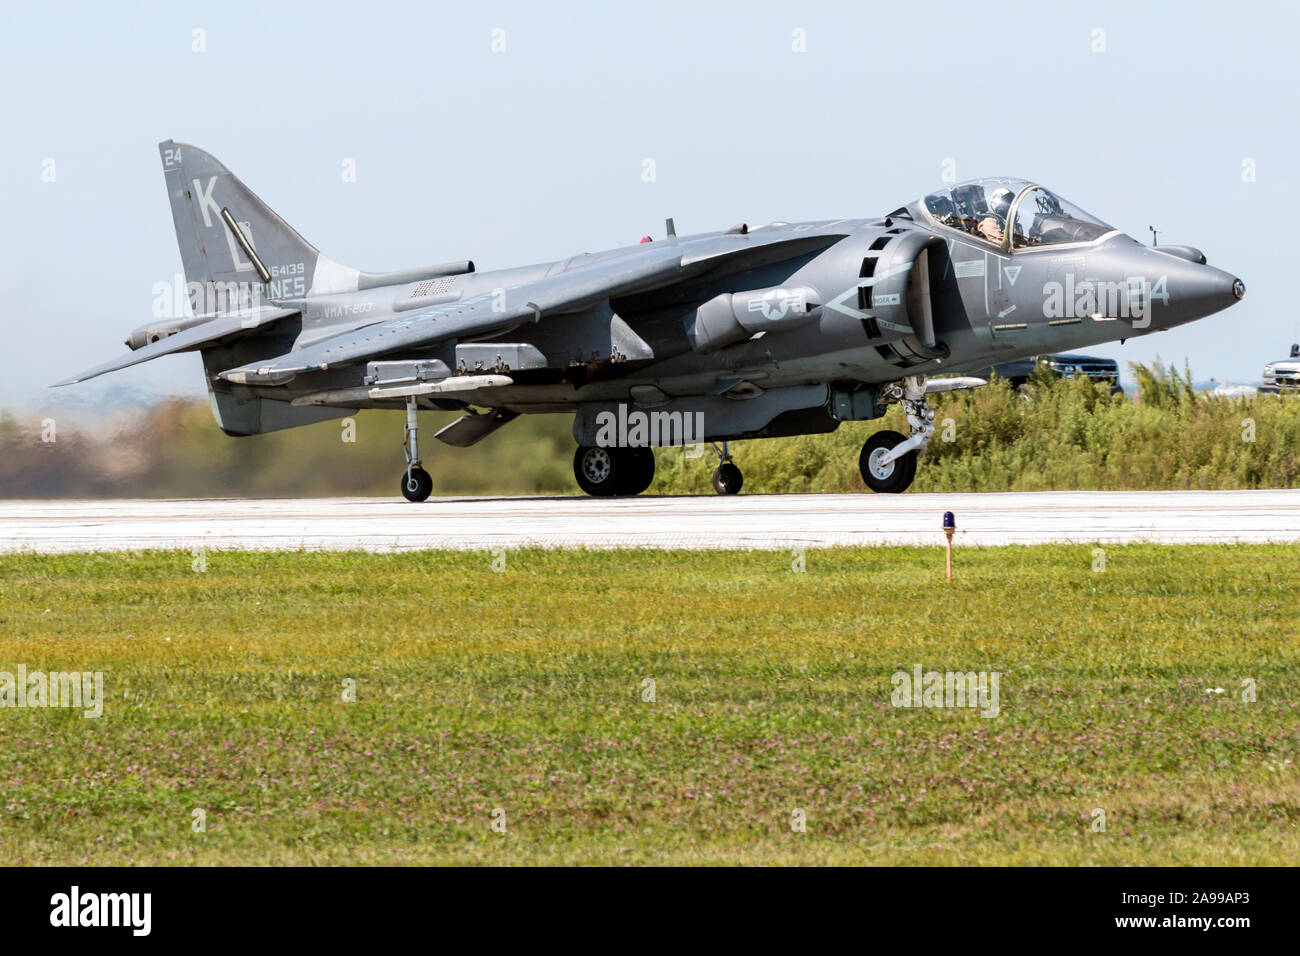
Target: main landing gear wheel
890,477
727,479
640,471
595,470
417,485
605,472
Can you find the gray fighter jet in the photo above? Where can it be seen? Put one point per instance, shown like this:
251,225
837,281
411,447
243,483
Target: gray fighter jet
779,329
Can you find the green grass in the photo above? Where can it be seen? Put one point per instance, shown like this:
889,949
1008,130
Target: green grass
522,690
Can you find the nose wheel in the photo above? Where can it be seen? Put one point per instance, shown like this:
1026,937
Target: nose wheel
417,485
880,473
888,460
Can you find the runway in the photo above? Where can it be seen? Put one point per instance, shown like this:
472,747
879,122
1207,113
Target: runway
744,521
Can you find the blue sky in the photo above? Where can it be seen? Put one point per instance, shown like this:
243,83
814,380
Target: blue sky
536,152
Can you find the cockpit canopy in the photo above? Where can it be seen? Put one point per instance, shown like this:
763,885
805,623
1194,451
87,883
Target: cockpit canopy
982,208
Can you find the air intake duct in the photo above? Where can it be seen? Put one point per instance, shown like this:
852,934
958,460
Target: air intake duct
736,316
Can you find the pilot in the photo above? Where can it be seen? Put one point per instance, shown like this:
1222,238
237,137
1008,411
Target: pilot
993,223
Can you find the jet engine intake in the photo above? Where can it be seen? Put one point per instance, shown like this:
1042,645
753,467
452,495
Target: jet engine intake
906,296
736,316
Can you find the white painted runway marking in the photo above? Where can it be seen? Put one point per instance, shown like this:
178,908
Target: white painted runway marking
744,521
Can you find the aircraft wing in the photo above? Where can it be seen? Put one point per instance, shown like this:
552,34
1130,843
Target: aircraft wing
477,315
218,328
503,309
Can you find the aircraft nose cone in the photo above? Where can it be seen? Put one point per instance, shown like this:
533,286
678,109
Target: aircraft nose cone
1212,290
1216,289
1195,291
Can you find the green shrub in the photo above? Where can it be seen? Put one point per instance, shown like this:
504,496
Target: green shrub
1051,434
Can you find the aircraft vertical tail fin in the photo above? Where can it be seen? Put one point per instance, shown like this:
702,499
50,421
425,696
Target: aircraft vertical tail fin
227,235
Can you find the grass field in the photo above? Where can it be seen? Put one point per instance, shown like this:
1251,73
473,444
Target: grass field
523,690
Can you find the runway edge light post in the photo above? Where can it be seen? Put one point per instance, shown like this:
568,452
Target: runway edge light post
949,526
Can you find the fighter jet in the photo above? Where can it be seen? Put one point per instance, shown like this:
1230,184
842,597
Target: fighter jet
749,332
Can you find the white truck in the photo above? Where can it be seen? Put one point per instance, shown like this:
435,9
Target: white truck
1283,376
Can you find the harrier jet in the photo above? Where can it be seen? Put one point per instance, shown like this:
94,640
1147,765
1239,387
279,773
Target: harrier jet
750,332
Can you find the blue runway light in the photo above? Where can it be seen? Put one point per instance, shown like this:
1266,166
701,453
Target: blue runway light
949,526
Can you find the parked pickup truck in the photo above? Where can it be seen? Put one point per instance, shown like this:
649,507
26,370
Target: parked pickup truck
1066,365
1284,374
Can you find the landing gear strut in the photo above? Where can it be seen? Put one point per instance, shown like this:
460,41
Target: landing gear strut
888,460
416,483
727,478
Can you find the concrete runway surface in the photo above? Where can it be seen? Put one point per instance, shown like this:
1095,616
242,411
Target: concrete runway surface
744,521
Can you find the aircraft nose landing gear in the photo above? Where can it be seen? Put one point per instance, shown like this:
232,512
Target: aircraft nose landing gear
883,474
888,460
416,483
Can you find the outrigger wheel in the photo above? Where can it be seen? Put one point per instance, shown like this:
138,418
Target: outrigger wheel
727,478
417,485
605,472
890,477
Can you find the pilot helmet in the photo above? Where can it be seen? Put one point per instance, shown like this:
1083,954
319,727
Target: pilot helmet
1000,201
